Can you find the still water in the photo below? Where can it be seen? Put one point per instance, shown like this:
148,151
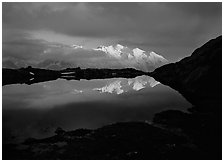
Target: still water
37,110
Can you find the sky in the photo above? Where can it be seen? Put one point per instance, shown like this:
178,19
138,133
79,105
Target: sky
35,32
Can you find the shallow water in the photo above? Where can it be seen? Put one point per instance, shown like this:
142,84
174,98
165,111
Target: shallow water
37,110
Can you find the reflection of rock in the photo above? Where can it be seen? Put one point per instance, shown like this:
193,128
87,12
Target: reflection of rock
120,86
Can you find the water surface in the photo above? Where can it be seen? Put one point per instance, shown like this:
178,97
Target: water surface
37,110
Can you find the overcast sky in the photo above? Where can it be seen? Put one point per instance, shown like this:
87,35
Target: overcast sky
173,30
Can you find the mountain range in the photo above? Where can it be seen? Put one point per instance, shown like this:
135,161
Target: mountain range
136,57
117,56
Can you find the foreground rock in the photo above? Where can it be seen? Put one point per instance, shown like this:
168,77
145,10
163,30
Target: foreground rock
132,140
199,79
204,129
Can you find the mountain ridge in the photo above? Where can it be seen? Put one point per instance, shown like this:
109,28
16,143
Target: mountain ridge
193,75
134,55
113,56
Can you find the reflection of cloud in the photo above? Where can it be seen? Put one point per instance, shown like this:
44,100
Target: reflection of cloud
75,91
59,88
120,86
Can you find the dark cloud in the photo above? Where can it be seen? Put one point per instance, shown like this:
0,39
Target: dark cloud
20,49
208,9
152,25
103,19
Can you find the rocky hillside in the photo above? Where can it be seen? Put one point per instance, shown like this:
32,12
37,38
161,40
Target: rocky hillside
197,77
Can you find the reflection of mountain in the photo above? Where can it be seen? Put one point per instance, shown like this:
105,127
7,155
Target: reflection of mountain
120,86
141,82
114,87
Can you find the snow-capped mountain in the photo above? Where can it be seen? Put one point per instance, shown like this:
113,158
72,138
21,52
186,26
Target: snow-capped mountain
119,86
57,57
115,51
134,57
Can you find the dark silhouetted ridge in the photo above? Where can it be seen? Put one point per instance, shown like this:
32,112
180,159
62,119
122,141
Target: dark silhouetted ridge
197,77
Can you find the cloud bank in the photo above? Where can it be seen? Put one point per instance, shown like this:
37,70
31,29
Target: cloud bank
38,31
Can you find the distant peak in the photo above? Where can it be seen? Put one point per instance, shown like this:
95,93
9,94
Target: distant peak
119,46
155,55
138,52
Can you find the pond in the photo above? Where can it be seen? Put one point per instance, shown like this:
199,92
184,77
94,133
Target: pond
37,110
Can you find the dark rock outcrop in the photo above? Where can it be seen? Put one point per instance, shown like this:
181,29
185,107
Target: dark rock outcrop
27,75
204,129
131,140
197,77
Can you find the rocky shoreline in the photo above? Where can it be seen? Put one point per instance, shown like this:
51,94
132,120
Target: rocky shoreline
32,75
